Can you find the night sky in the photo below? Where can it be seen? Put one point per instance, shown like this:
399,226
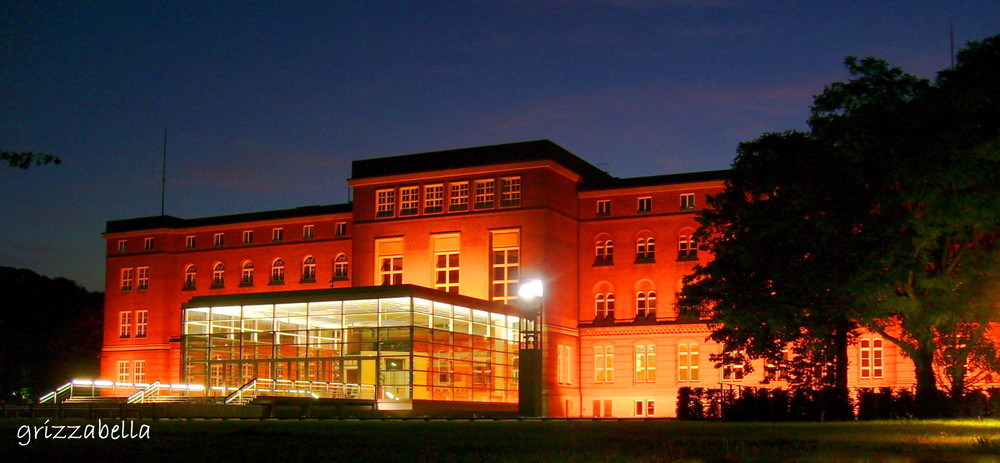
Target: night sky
266,104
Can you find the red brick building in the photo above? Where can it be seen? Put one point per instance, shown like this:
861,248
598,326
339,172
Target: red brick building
471,224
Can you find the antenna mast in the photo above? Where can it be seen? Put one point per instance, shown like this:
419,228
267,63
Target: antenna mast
163,179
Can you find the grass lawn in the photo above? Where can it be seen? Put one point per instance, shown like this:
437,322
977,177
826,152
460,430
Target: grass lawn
516,441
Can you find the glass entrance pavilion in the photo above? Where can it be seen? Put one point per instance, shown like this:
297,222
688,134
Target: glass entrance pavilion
397,343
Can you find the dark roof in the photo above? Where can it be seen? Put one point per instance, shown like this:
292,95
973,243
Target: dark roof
475,157
167,221
669,179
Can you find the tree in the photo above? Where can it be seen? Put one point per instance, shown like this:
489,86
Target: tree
25,159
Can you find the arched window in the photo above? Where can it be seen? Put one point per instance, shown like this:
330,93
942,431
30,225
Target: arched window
278,272
604,305
686,249
246,277
218,275
645,304
604,251
190,274
645,250
340,270
309,270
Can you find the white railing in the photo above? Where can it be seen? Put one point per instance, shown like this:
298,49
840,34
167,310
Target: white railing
289,388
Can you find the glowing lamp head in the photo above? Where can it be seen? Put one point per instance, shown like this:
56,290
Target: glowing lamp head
530,289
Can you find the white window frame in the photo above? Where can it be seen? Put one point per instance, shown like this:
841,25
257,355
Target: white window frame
872,360
309,269
127,275
189,242
604,364
218,275
122,246
278,272
141,323
341,267
139,372
340,229
277,234
124,375
510,191
247,236
219,240
687,201
645,363
125,324
485,193
142,278
603,207
409,200
645,204
246,274
434,198
448,275
308,232
390,269
688,360
458,196
147,243
385,202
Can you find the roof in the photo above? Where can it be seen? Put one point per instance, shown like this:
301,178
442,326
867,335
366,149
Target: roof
478,156
653,180
167,221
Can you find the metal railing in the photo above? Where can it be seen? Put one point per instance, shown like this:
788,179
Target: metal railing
289,388
142,396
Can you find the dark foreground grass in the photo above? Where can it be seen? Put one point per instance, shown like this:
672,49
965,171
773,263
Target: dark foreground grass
517,441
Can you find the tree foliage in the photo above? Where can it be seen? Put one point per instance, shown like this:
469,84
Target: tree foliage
26,159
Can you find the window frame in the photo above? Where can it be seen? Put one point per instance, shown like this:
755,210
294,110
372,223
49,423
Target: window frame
603,207
485,194
510,191
142,278
409,200
458,196
385,203
644,205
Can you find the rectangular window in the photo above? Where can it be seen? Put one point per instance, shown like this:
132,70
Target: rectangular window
484,193
687,362
644,408
277,234
127,276
645,364
409,200
143,281
871,358
446,270
247,236
189,242
147,244
732,372
122,245
459,196
510,193
646,204
433,199
687,201
604,207
506,269
139,369
391,270
340,229
141,323
308,231
123,372
565,362
219,240
604,364
385,203
125,324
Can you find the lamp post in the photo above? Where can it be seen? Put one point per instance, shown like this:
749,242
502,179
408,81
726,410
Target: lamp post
530,355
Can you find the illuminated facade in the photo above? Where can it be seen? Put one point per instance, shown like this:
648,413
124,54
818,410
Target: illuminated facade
349,293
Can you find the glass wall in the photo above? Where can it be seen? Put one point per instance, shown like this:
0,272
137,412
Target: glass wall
398,347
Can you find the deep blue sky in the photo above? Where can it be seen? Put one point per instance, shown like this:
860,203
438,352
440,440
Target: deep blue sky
267,104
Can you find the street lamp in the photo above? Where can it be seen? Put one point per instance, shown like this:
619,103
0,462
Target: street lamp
530,356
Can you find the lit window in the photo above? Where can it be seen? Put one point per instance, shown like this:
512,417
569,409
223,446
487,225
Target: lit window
510,193
605,252
126,280
645,250
219,240
687,201
445,371
147,244
391,270
141,323
686,249
139,372
190,273
308,231
484,193
645,364
646,204
687,362
340,229
143,280
409,199
604,305
871,358
124,324
340,267
433,198
459,196
277,234
447,272
122,245
564,366
247,236
604,364
189,242
218,275
246,276
645,304
278,272
385,203
309,270
604,207
123,372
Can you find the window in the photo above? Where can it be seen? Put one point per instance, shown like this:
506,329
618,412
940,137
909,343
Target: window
645,364
604,207
686,249
604,305
140,371
247,236
645,204
602,408
445,371
484,193
605,252
871,358
122,245
687,362
391,270
141,323
604,364
409,200
143,280
308,232
644,408
506,269
218,275
277,234
189,242
125,324
340,229
433,199
340,267
219,240
459,197
126,280
278,272
147,244
564,367
780,370
645,304
645,250
385,203
510,193
309,270
732,369
123,372
189,277
246,275
447,271
687,201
